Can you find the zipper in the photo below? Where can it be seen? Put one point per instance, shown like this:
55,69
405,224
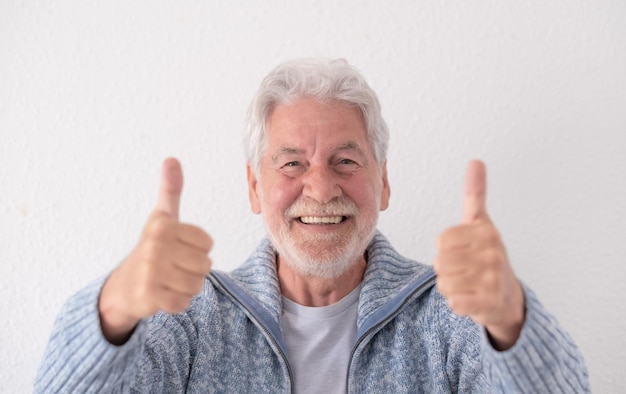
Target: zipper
384,322
260,325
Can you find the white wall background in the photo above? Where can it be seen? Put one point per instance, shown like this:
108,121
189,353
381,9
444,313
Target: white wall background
93,95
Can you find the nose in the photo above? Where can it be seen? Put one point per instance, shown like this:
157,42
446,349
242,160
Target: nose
321,184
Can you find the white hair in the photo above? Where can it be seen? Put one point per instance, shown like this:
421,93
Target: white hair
321,79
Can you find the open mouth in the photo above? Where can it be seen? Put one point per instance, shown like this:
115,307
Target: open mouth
322,219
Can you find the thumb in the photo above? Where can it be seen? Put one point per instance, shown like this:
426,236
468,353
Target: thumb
171,187
475,201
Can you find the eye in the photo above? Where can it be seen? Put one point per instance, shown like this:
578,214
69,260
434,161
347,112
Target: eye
347,166
346,162
292,168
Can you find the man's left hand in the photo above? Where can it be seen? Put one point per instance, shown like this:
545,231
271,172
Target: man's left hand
473,270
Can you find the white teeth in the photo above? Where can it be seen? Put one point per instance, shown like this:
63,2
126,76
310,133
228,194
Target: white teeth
321,219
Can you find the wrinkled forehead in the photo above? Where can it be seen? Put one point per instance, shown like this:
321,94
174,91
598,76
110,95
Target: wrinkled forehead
336,121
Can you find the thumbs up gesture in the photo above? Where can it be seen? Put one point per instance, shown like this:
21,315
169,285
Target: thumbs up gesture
473,270
164,271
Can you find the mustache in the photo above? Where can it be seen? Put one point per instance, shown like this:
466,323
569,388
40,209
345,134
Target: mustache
339,206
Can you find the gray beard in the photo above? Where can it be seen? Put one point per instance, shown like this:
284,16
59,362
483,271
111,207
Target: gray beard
330,261
325,256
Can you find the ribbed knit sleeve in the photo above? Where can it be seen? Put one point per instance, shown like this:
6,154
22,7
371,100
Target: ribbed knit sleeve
78,358
544,359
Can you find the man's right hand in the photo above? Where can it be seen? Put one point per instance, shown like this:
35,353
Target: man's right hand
164,271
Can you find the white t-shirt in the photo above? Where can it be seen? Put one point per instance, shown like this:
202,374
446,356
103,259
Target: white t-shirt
319,341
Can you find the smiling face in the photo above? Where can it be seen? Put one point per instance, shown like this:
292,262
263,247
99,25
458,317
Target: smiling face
319,186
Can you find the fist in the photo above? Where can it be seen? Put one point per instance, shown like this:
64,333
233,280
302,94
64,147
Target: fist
164,271
473,270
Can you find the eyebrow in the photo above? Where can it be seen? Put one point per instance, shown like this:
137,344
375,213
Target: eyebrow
285,151
349,146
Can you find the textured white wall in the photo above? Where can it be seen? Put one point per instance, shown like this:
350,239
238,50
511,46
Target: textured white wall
93,95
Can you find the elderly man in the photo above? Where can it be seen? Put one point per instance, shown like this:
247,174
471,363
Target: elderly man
324,304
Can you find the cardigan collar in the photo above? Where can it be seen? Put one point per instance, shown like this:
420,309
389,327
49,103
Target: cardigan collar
388,275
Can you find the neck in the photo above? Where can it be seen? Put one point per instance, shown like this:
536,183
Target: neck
316,291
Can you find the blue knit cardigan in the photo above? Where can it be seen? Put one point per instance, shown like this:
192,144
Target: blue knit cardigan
230,341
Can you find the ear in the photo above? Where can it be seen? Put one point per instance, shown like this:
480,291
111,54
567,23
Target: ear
253,195
385,193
